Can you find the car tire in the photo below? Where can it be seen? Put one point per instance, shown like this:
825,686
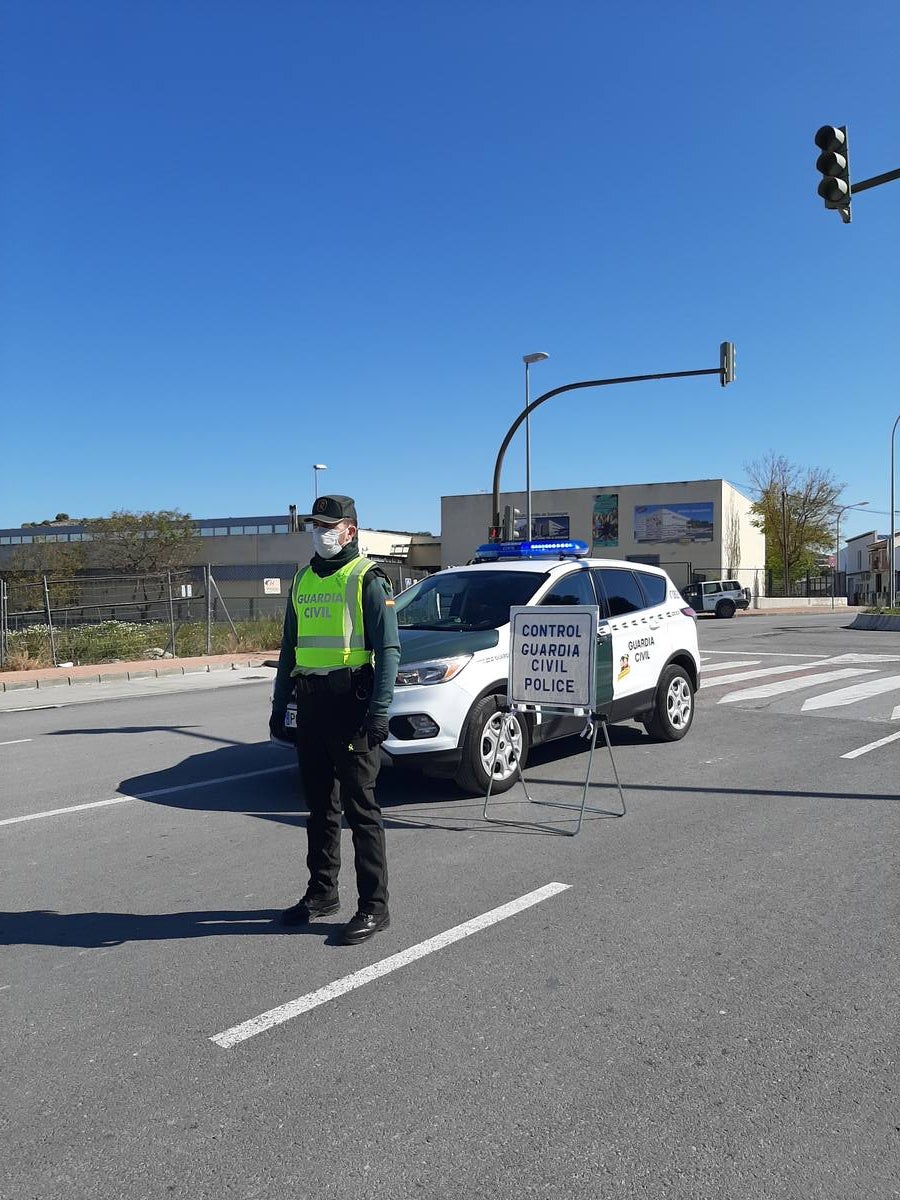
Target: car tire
725,608
673,709
486,724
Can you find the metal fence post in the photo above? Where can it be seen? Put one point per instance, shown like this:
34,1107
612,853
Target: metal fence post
49,617
225,609
208,609
4,623
171,615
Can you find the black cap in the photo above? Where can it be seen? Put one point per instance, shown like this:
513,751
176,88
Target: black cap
333,509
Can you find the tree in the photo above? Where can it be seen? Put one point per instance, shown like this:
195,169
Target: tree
28,564
795,510
143,543
732,541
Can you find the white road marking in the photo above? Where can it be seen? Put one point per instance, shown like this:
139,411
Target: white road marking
15,742
738,662
181,787
868,658
33,707
791,685
872,746
762,653
860,691
340,987
895,715
740,676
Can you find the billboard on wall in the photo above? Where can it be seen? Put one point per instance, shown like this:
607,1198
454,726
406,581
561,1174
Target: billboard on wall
605,522
543,525
673,522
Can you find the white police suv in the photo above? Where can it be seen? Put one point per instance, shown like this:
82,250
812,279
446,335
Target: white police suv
454,635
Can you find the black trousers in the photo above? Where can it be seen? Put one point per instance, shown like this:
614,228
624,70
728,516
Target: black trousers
336,774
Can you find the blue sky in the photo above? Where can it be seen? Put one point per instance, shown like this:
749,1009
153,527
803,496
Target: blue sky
239,238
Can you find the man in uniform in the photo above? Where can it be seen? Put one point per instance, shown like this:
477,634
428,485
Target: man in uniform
339,654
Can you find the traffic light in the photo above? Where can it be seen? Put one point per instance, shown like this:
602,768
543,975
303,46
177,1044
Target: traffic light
726,363
494,533
834,164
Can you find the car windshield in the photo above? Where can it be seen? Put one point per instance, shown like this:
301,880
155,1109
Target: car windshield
465,600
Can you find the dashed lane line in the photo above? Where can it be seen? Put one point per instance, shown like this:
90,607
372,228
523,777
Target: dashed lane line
340,987
16,742
181,787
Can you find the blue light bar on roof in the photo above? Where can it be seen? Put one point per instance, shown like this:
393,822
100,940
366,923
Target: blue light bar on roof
539,548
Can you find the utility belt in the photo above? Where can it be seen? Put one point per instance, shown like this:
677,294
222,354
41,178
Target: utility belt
356,682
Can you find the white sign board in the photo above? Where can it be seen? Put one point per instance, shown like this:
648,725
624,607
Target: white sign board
551,655
271,587
187,591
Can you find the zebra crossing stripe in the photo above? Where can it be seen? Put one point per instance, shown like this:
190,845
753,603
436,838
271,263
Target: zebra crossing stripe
780,686
762,672
717,666
850,695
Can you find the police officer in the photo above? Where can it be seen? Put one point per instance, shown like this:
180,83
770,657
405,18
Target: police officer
339,655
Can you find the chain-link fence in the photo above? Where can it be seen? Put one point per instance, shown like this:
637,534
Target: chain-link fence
105,618
94,618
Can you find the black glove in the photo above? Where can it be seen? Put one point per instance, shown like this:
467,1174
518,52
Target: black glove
277,729
376,730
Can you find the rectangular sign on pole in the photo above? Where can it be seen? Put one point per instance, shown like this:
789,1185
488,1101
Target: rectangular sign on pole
552,655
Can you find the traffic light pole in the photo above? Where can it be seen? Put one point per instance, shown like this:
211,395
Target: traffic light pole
865,184
571,387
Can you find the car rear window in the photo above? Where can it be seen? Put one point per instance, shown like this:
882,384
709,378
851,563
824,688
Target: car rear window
621,590
654,588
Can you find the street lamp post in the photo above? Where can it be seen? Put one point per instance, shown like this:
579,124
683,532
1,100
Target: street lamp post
528,359
317,467
837,542
892,589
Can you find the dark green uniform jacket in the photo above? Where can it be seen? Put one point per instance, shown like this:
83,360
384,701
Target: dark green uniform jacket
380,623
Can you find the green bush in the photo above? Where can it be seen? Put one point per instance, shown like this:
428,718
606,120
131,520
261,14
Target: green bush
123,641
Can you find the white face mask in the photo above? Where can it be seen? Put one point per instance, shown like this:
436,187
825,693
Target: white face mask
326,542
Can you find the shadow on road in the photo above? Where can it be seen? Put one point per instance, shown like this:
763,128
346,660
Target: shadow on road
186,730
262,781
93,930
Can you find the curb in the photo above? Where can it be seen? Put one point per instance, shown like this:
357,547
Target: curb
51,678
875,621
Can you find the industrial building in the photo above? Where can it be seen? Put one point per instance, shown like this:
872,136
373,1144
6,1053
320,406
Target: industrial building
695,529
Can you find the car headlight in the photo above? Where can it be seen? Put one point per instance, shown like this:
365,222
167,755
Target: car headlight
437,670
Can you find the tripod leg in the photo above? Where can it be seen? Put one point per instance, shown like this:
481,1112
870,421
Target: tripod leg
615,772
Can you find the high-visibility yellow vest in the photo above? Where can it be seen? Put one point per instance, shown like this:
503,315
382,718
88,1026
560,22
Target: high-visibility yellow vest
329,612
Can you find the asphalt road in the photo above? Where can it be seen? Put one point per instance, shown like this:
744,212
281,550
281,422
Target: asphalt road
708,1008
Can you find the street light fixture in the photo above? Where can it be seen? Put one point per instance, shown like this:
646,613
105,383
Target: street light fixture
528,359
317,467
837,543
